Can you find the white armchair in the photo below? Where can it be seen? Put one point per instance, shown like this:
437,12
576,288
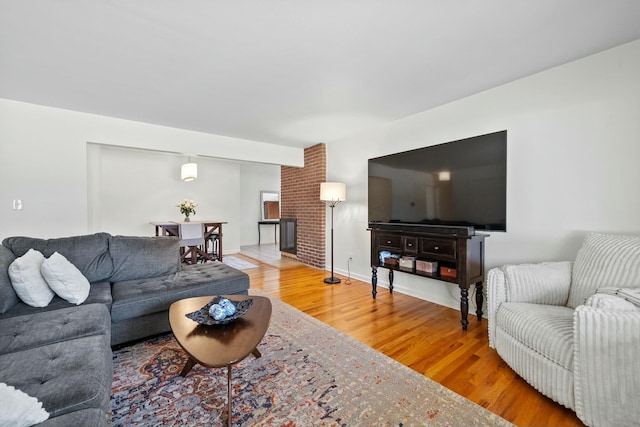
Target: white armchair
559,327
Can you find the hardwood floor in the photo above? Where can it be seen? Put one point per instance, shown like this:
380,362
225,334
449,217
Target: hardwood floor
424,336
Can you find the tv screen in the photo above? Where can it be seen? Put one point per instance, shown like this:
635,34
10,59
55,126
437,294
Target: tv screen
459,183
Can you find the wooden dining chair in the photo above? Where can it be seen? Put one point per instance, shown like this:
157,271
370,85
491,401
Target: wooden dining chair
192,242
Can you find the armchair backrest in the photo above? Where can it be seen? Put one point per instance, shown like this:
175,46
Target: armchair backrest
605,260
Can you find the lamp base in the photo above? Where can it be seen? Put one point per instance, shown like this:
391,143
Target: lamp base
332,280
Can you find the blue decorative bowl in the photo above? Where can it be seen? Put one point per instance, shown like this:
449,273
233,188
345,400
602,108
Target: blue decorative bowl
202,316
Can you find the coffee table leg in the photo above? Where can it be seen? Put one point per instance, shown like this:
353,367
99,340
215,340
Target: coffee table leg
229,393
256,353
187,367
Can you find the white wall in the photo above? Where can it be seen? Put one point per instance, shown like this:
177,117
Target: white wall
573,152
128,188
43,162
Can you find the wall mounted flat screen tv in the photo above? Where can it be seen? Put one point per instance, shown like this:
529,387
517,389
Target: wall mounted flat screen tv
459,183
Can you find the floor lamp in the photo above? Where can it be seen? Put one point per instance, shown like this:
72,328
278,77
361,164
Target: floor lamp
332,193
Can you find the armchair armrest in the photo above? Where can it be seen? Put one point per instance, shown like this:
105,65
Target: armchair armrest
496,295
606,362
544,283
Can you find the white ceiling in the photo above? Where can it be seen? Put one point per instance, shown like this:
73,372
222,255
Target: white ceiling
290,72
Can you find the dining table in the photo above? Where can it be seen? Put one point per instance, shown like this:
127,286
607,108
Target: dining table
211,229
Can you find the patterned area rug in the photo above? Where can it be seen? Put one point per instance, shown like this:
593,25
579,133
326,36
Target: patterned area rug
309,374
236,262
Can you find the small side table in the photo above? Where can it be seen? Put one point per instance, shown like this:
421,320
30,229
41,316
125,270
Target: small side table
275,229
220,346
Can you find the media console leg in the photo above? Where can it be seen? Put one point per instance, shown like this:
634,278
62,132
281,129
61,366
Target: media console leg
390,281
479,300
464,307
374,281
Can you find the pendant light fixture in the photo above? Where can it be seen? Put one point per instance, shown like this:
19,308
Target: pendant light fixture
189,171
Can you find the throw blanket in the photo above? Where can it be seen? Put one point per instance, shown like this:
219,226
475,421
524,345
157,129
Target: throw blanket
630,294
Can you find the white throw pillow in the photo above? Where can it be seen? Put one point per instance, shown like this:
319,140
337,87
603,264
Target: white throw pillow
27,279
18,409
65,279
543,283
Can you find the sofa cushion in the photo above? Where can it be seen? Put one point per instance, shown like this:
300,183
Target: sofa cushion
8,296
65,279
99,293
18,409
604,261
27,279
90,253
546,330
65,376
136,298
143,257
24,332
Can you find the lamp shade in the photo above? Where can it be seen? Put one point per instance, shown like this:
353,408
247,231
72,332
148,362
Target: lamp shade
444,176
189,171
333,192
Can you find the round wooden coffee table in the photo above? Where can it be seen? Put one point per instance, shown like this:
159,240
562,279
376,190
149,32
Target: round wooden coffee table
219,346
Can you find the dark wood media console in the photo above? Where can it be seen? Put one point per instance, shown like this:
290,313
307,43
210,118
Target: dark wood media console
458,252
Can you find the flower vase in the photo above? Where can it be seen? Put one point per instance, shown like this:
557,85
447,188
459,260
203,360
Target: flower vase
187,219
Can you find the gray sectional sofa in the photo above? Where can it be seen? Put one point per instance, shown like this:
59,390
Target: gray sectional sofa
61,354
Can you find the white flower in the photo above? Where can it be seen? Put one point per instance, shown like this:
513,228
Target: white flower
187,207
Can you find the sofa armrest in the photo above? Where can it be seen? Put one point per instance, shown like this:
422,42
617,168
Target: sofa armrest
544,283
606,362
